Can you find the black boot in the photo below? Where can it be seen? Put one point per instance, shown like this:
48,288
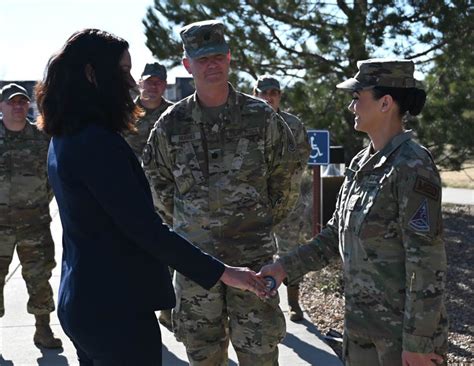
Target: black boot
44,336
296,314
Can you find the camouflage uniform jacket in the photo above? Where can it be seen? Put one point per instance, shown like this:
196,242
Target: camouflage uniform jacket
302,145
387,228
137,140
223,186
25,193
303,150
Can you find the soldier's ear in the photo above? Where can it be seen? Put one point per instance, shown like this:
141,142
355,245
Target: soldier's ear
187,65
387,103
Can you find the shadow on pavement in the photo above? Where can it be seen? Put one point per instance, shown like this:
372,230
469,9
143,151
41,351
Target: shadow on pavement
310,327
51,357
306,351
170,359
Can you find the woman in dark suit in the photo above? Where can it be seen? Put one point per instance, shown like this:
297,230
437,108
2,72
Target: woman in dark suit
115,248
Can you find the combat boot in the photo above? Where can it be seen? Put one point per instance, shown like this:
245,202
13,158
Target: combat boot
44,336
296,314
165,319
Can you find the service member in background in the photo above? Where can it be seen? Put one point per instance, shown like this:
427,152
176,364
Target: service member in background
152,85
387,228
221,164
24,209
287,234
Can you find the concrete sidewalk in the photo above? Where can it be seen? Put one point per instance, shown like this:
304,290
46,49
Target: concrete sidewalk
303,344
458,196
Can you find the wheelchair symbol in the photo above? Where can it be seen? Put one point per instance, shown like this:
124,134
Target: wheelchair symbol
315,152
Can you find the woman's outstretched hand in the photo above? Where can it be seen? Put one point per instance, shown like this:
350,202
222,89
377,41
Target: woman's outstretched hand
245,279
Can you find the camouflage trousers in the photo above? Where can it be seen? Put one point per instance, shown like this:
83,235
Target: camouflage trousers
364,351
35,249
205,321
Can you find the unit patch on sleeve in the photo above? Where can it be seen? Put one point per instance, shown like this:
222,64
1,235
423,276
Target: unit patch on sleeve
420,220
426,188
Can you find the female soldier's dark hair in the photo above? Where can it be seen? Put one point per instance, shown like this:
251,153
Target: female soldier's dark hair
409,100
68,100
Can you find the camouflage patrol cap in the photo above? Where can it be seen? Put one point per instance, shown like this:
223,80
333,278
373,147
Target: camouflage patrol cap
11,90
204,38
266,82
154,69
381,72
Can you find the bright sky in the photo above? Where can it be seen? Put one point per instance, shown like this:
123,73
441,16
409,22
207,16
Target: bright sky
32,30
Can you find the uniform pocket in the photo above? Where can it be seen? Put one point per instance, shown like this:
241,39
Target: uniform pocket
186,170
183,178
360,204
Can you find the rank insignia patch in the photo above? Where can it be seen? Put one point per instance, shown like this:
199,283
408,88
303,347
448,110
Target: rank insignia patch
426,188
420,220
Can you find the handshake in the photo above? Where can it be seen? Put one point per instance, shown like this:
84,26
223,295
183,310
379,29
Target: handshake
264,284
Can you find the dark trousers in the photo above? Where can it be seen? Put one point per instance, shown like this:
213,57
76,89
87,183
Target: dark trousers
131,342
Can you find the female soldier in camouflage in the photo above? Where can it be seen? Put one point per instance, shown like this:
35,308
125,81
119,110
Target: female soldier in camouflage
387,228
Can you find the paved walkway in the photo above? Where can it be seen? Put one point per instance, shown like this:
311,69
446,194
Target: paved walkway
458,195
303,344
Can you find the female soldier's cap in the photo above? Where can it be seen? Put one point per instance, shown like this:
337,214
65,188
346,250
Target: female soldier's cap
204,39
381,72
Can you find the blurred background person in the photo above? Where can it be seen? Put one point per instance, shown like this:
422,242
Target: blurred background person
25,195
287,233
152,85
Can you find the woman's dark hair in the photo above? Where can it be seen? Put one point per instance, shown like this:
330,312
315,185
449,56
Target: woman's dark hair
409,100
68,100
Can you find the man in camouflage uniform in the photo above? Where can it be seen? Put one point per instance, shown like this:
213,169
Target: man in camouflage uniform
221,165
24,209
152,85
286,234
387,228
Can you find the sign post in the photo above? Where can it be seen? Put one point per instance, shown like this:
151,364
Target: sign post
319,141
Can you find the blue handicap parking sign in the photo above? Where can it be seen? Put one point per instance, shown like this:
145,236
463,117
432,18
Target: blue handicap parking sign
319,141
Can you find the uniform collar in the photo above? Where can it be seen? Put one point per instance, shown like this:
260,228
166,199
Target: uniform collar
24,130
163,105
377,160
230,105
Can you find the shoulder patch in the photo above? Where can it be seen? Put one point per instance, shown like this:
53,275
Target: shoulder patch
420,220
426,188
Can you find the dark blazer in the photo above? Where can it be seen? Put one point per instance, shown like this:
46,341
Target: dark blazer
115,247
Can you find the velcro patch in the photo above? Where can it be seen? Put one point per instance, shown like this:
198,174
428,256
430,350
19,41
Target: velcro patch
420,220
426,188
187,137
